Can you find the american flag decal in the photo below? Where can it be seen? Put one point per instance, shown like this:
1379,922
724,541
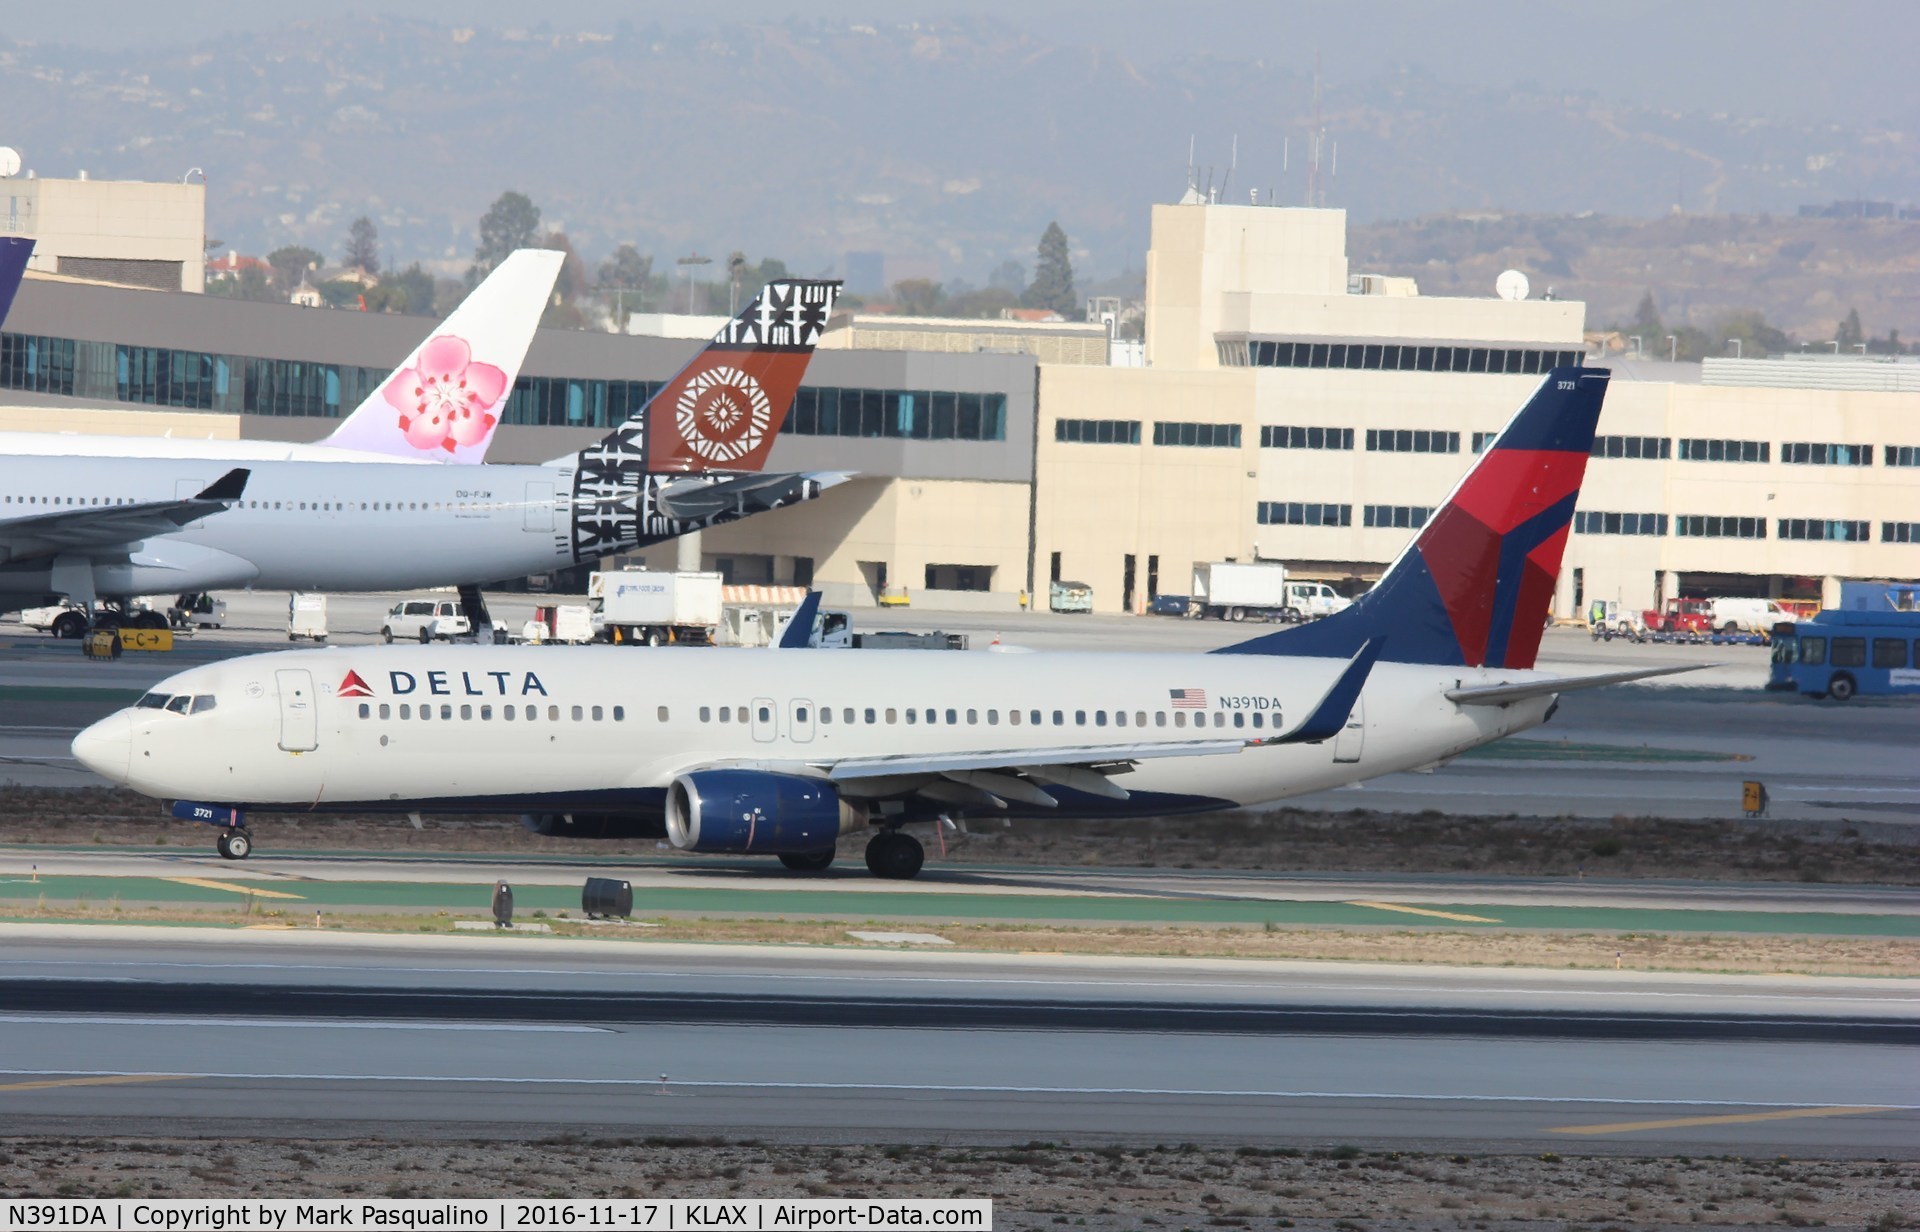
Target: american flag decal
1188,699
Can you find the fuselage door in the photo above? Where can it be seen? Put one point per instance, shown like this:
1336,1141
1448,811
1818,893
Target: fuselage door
800,720
299,718
764,720
539,513
1352,738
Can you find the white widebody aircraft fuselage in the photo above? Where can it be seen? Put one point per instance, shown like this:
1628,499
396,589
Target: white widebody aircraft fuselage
110,526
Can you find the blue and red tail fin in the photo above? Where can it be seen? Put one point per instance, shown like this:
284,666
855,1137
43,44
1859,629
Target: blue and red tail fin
1474,587
14,252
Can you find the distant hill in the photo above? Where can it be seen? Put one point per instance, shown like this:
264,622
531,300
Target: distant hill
947,146
1803,274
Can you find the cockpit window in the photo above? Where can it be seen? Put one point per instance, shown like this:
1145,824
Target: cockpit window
152,701
202,702
179,705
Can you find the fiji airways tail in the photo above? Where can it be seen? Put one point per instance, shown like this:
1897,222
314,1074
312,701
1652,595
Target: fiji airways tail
1475,586
723,410
14,252
445,401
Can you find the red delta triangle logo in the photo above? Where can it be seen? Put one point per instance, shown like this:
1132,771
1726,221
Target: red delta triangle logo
353,686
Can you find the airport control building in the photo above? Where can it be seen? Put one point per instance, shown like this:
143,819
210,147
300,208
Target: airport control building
1289,409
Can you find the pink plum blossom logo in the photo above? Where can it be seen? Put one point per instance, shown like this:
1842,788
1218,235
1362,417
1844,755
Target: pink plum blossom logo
446,400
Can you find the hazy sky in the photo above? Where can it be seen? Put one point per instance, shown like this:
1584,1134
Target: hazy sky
1846,60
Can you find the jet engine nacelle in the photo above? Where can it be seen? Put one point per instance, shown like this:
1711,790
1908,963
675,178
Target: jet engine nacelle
754,812
166,566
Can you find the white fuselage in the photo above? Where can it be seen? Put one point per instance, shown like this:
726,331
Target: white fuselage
610,727
299,525
91,445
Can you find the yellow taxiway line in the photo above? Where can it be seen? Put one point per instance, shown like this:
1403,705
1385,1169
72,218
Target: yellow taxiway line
102,1080
1740,1118
1438,915
205,884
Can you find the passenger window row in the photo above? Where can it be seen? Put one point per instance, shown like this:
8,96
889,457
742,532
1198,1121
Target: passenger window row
487,713
953,716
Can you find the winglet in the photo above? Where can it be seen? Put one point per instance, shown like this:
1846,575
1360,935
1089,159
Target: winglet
226,488
798,634
15,251
1330,716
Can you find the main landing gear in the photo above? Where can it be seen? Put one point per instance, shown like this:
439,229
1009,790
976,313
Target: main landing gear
234,844
895,855
809,861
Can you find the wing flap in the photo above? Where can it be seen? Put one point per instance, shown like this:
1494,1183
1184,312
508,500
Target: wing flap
854,769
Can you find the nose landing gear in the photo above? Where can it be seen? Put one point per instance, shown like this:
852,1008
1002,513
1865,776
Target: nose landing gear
234,844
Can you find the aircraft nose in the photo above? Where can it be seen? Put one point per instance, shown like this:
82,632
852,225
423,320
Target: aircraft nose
106,748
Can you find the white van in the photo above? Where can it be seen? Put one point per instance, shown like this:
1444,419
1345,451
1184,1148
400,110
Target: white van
424,619
1745,615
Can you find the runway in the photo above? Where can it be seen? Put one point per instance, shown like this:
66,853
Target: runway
144,1034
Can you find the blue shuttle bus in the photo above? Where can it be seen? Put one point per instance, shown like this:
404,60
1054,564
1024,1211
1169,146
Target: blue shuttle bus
1869,646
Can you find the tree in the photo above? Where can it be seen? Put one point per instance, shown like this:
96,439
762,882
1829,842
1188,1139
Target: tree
1646,320
624,277
986,303
1009,275
1850,335
249,284
410,290
1757,338
569,288
625,270
1052,285
291,263
919,297
363,246
511,222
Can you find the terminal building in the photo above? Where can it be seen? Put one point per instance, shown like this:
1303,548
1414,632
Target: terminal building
1289,409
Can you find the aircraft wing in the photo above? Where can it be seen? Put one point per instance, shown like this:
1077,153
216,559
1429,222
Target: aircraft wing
1501,694
80,528
1024,774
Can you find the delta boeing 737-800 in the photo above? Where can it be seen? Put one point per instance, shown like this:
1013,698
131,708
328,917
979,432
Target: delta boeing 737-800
114,527
784,753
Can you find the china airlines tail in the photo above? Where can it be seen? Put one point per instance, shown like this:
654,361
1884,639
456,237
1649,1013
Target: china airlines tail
1475,586
14,251
445,401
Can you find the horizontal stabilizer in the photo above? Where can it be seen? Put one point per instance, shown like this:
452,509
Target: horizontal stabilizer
697,498
1501,694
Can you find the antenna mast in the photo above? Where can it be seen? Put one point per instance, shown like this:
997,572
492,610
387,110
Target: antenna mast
1316,138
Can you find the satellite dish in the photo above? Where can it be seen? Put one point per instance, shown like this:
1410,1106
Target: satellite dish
1511,285
9,162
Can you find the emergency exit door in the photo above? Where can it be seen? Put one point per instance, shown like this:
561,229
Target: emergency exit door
539,507
299,720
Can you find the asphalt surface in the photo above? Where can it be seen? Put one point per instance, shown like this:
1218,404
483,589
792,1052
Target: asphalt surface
140,1031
